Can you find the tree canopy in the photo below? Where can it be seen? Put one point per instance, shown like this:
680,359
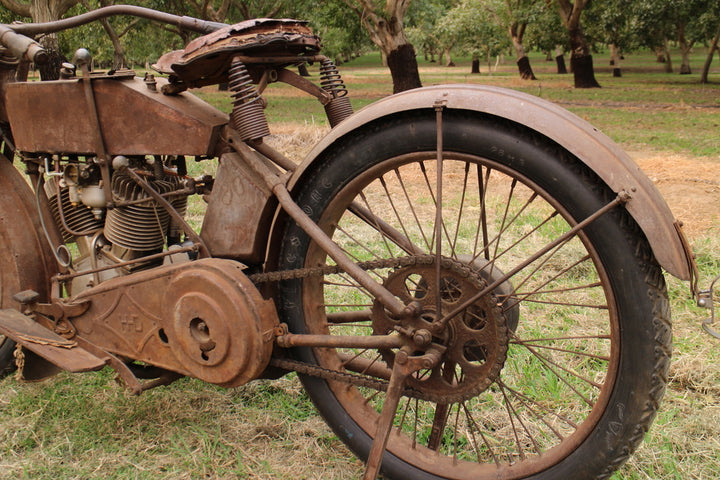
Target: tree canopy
482,29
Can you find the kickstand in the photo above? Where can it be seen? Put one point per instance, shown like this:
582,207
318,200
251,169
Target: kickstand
404,365
705,300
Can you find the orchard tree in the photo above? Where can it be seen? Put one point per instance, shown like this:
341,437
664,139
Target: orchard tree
711,23
613,22
473,29
515,15
548,35
384,21
581,61
654,28
686,20
451,29
342,35
422,20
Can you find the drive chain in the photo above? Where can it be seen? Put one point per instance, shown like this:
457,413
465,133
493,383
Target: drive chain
301,273
334,375
315,370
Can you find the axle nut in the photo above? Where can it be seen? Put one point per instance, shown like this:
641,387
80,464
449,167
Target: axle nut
422,337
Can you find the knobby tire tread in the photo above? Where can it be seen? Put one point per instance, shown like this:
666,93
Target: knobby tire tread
653,279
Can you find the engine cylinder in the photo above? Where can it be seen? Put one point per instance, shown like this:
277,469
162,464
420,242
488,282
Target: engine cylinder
141,226
78,218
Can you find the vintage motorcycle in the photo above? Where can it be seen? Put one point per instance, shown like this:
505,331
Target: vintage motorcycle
468,280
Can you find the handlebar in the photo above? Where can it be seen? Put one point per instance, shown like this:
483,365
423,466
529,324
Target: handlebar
21,46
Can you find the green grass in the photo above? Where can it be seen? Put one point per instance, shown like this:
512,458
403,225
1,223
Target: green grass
85,426
644,108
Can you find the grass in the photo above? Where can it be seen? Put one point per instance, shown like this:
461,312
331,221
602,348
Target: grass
86,426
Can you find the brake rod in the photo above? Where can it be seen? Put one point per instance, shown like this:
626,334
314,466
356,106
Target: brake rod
340,341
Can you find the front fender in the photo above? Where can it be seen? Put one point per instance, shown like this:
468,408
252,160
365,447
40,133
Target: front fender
577,136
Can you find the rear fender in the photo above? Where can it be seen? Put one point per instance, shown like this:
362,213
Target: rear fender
577,136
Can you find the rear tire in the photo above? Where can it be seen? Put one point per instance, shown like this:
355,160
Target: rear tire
7,360
577,379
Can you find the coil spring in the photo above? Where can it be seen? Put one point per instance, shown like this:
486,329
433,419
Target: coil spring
339,108
330,79
247,115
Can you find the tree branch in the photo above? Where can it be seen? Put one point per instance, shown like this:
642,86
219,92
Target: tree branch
22,9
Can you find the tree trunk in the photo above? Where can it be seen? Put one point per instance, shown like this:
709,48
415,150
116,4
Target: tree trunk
448,58
668,58
517,30
708,61
560,61
119,52
660,55
475,68
385,26
615,60
580,60
685,48
404,68
583,70
525,69
47,11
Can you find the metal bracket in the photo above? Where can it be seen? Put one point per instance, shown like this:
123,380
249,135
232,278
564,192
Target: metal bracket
705,300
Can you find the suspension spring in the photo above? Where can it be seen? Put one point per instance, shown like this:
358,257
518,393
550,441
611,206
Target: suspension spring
247,115
339,108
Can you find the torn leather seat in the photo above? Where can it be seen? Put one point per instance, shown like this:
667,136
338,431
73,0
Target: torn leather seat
206,60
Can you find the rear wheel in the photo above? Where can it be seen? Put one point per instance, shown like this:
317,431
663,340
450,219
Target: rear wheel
555,372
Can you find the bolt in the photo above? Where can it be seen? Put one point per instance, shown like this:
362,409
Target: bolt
401,357
422,337
412,309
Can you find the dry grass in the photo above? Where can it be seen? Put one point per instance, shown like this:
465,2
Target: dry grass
86,427
684,442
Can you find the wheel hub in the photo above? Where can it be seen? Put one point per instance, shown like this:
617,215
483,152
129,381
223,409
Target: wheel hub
476,340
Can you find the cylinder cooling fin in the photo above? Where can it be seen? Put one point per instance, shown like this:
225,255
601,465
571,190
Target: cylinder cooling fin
78,218
143,224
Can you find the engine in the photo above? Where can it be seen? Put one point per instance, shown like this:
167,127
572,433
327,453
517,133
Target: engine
126,229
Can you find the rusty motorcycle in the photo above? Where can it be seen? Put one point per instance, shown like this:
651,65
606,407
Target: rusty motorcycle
468,280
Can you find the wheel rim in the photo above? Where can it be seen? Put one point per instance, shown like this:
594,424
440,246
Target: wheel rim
562,359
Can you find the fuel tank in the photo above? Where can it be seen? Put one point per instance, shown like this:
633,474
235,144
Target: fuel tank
135,117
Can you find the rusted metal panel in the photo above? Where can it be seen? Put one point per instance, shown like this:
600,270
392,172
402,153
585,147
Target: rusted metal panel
203,319
239,210
135,120
593,148
62,352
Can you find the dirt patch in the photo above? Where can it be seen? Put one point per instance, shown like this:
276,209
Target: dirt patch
690,185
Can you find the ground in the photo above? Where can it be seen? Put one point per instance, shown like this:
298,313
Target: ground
690,185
